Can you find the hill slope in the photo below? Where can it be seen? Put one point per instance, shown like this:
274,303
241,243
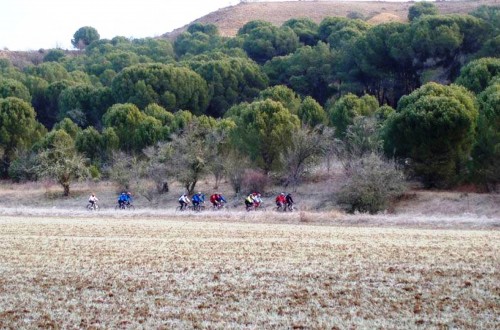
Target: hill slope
230,19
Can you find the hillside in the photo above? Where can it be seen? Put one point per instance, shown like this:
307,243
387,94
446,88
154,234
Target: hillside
230,19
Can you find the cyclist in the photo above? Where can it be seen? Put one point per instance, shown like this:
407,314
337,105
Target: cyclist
93,200
123,199
256,200
280,200
184,201
198,199
289,201
249,201
214,199
221,199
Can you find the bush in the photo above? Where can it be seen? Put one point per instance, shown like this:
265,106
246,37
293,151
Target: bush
255,180
372,183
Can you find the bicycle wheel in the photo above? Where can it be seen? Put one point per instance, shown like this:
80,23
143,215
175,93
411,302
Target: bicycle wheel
89,207
130,207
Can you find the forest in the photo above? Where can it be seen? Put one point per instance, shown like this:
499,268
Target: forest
393,101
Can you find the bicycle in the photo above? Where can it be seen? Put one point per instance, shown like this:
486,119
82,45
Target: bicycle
197,208
125,206
289,207
92,207
219,206
180,208
256,207
280,207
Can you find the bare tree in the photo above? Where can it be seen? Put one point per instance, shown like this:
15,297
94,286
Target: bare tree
305,149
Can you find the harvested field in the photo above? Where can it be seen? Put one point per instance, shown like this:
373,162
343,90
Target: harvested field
160,271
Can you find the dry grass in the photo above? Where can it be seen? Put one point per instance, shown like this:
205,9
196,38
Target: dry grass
161,272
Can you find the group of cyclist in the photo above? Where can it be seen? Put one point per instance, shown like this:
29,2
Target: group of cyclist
124,200
216,199
284,201
252,201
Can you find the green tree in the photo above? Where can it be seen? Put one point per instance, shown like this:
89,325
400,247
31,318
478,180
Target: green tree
198,38
230,81
263,128
89,142
308,71
284,95
478,74
134,129
339,31
49,71
486,152
59,160
343,112
14,88
381,61
19,129
263,41
68,126
421,8
84,104
171,87
84,36
311,113
434,127
54,55
305,28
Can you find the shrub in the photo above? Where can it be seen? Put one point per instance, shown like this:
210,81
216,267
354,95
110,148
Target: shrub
372,183
255,180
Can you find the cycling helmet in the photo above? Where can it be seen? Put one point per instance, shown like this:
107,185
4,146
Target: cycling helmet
283,193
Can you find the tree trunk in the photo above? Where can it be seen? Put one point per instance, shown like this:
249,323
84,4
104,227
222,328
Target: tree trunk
66,189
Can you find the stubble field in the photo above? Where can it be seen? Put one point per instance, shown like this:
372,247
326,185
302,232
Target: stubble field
160,271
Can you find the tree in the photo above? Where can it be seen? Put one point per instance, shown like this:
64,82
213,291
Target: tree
14,88
305,29
339,31
84,36
19,129
171,87
284,95
84,104
311,113
434,126
380,59
371,184
344,110
308,71
263,41
421,8
230,81
190,157
54,55
90,143
362,138
134,129
478,74
262,130
59,160
486,152
305,149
